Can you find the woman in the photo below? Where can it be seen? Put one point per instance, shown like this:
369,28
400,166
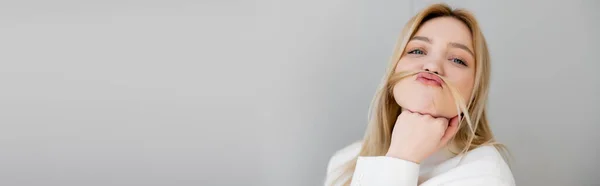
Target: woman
428,123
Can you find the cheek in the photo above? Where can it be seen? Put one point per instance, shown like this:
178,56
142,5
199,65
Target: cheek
464,83
405,65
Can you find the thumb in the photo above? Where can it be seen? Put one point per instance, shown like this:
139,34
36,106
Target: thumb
451,130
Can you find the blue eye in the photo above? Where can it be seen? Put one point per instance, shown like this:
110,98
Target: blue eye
459,61
416,51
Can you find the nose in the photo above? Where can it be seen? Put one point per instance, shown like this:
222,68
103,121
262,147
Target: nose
435,72
434,66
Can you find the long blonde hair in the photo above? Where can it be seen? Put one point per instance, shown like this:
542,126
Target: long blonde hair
474,130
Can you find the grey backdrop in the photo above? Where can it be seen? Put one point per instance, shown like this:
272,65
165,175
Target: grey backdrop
263,92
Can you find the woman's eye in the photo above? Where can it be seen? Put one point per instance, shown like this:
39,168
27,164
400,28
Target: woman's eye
459,61
416,51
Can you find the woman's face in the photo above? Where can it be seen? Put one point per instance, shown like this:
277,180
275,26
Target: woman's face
444,46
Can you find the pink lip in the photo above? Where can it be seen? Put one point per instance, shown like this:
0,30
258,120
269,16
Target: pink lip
429,79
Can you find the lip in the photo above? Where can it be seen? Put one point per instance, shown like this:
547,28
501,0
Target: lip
429,79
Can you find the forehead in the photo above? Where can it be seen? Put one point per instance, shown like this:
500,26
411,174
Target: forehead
446,30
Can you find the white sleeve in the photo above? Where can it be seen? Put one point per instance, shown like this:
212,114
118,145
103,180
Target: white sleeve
388,171
383,170
474,181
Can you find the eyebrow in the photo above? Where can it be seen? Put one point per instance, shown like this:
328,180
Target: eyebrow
452,44
461,46
421,38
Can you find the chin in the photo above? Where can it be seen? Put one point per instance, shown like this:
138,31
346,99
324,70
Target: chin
424,100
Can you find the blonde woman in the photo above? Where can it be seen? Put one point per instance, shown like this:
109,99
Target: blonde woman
428,123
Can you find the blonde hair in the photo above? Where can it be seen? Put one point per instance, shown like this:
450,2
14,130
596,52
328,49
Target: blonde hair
474,130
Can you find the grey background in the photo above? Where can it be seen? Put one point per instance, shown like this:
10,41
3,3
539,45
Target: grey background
263,92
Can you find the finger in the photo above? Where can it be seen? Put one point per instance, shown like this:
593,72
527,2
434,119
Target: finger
442,123
450,131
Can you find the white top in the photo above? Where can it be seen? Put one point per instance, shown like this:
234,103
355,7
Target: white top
483,166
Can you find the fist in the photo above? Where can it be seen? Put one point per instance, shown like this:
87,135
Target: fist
416,136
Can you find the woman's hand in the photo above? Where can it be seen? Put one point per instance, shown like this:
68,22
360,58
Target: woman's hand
416,136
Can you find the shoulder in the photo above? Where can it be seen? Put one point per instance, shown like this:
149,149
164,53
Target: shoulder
340,157
485,156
